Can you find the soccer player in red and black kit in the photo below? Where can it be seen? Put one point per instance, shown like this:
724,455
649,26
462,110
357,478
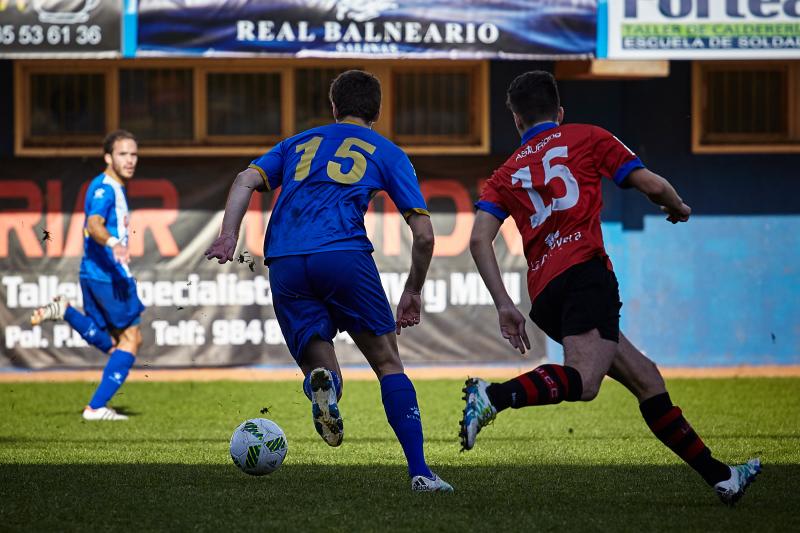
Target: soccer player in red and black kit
551,186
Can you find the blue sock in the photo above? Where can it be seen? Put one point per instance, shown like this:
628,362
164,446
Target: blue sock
337,384
114,375
402,411
87,329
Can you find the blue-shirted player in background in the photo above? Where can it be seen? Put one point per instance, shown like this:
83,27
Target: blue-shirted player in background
321,271
113,309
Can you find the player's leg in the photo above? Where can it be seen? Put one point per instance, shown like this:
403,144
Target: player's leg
121,309
400,404
642,377
587,357
323,387
92,331
319,353
114,375
349,284
308,329
579,309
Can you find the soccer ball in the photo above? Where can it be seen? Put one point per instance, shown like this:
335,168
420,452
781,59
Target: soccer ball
258,446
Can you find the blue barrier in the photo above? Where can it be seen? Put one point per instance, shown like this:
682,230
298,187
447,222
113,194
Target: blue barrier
718,291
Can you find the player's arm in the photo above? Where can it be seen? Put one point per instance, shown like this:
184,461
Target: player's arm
246,182
660,192
410,305
96,228
512,322
617,161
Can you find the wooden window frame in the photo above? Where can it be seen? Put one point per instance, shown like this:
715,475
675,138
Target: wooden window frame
478,113
178,146
248,142
737,144
244,145
22,119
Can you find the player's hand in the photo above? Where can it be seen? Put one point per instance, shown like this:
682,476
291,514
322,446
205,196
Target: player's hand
408,310
681,214
222,248
121,254
512,327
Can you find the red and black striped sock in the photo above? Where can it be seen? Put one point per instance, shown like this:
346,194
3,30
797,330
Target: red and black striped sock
667,423
546,384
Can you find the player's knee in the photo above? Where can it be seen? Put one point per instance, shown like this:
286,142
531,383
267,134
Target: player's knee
590,391
130,339
590,385
390,364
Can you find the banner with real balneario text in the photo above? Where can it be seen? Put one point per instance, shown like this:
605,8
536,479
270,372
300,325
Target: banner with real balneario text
479,29
699,29
200,313
60,28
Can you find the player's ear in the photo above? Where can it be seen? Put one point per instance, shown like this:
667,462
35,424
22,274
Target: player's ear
333,109
107,159
518,123
560,117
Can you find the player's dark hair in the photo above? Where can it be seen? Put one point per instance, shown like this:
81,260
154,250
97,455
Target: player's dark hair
534,97
113,137
356,93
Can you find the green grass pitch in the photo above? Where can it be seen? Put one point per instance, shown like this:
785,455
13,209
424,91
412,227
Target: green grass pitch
571,467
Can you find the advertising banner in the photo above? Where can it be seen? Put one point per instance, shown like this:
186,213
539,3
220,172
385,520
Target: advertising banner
60,28
453,29
699,29
200,313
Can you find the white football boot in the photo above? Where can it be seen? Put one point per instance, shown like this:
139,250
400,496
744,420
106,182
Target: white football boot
730,490
52,311
324,409
427,484
478,411
102,413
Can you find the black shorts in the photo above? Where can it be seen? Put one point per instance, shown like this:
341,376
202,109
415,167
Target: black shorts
580,299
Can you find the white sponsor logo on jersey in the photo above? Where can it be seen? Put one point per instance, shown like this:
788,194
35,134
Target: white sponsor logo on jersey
530,150
550,240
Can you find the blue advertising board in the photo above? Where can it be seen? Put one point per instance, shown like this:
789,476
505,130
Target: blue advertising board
476,29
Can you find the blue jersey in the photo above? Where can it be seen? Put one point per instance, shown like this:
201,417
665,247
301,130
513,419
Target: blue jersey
105,197
328,176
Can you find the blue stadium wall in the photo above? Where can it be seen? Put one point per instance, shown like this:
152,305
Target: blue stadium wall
722,290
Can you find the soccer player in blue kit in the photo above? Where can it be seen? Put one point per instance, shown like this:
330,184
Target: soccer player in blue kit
321,271
112,307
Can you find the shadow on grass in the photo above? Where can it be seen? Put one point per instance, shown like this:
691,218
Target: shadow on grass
372,498
388,439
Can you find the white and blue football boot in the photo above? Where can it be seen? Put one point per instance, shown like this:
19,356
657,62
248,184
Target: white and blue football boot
52,311
324,409
478,411
730,490
427,484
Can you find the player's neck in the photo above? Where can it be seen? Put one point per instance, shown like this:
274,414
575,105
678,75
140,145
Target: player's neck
522,128
354,120
113,175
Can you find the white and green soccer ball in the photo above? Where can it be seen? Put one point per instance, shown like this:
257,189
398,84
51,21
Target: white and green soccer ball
258,446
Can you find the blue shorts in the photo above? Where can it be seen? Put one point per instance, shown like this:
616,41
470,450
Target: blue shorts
112,305
318,294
